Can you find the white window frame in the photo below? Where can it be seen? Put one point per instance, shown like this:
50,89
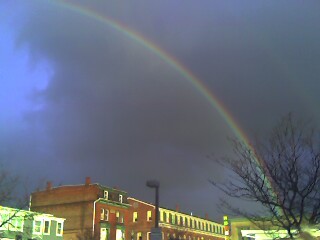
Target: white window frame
34,226
120,198
106,214
15,223
4,217
44,227
101,231
106,194
149,218
61,230
119,217
102,214
135,217
139,234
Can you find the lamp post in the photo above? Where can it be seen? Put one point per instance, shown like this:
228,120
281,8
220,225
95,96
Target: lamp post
155,184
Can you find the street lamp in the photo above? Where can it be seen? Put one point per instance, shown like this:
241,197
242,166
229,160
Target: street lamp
155,184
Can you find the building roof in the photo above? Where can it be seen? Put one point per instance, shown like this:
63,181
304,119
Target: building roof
27,212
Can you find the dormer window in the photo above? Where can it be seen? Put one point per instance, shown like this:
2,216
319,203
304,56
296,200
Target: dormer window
106,195
120,198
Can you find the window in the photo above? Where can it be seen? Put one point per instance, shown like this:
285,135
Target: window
139,236
148,235
135,217
119,217
103,233
165,217
173,219
149,215
102,214
59,228
106,215
120,198
106,195
46,229
119,234
37,226
4,218
16,224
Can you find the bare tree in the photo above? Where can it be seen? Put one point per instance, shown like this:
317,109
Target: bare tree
282,173
12,194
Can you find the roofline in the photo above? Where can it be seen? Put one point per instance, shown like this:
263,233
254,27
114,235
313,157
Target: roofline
26,212
149,204
83,185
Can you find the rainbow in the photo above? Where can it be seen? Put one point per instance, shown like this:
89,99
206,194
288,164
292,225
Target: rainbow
166,57
171,61
176,65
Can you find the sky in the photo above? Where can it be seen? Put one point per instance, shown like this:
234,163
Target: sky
127,91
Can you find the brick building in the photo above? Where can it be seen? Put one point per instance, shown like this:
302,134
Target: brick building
174,224
92,211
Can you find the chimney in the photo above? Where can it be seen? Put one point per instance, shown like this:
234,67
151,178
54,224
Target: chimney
49,186
177,208
207,216
88,181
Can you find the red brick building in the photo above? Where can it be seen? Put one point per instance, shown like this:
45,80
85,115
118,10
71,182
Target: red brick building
92,211
174,224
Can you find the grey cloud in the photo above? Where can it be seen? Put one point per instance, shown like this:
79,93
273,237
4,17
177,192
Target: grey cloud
117,112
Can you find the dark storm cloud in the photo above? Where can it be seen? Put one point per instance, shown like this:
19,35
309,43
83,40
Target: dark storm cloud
116,105
116,111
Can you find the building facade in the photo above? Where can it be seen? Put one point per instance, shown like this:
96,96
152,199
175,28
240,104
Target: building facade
174,224
21,224
243,229
92,211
